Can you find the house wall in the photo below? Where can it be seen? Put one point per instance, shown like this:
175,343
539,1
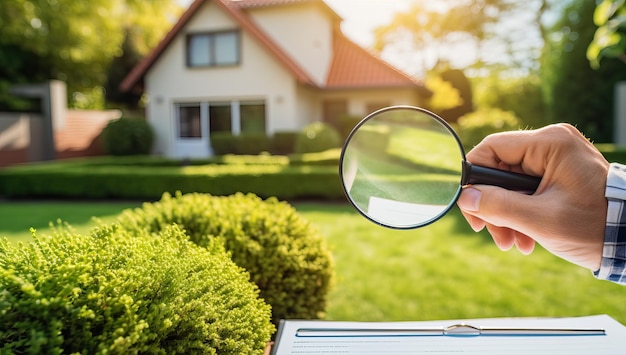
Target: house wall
308,107
259,76
303,31
358,100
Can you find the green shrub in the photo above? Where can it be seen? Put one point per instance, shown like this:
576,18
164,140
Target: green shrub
475,126
245,143
261,159
109,293
252,143
612,153
285,255
223,143
127,136
317,137
284,142
328,157
347,124
149,182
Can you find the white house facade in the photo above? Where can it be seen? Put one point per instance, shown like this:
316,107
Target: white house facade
259,66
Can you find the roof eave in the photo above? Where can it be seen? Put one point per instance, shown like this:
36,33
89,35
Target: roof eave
421,90
137,73
140,70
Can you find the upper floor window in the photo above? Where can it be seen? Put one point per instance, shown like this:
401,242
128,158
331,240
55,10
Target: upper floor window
213,49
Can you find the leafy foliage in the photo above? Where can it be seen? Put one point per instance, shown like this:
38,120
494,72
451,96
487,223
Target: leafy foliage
317,137
74,41
286,257
465,105
425,28
574,92
243,143
477,125
127,136
83,180
112,293
445,96
522,95
610,37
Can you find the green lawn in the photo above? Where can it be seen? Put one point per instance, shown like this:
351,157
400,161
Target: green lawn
17,217
441,271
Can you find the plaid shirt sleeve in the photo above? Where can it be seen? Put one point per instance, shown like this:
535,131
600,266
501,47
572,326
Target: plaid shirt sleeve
613,266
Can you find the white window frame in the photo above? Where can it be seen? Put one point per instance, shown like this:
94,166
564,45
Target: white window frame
214,55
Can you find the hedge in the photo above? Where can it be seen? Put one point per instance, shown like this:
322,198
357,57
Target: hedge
149,183
474,126
115,292
127,136
285,255
253,143
317,137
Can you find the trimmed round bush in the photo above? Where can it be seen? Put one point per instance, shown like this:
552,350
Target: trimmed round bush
110,293
127,136
317,137
286,257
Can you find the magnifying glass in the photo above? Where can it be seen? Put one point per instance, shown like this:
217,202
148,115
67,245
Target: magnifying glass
404,167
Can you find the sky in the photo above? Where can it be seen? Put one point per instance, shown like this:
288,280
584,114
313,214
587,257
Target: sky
361,17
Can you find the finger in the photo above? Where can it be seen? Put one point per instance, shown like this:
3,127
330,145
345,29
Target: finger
476,223
501,207
524,243
519,149
502,149
502,236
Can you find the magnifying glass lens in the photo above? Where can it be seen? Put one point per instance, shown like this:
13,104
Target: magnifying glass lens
402,167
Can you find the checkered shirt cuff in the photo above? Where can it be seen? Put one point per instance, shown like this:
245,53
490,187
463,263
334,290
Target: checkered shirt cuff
613,266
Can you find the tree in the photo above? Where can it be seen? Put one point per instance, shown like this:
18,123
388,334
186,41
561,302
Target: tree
439,32
520,95
73,41
574,92
118,69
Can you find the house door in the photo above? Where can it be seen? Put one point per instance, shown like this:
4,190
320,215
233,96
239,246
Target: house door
191,137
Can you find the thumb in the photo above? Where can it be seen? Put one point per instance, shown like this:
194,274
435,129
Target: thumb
499,207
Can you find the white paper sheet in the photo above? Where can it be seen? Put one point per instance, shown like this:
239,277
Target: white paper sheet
613,342
402,213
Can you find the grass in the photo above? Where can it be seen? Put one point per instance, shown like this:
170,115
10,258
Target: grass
17,217
441,271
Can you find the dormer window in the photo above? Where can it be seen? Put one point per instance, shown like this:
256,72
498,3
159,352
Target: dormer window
213,49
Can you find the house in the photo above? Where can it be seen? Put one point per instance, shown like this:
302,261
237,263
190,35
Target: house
259,66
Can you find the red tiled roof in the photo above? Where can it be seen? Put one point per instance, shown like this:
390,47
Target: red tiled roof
355,67
352,66
263,3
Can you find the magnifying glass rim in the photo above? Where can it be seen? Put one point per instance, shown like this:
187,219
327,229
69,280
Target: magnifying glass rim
440,120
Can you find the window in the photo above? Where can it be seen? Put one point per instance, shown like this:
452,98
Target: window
197,119
213,49
252,117
220,117
189,125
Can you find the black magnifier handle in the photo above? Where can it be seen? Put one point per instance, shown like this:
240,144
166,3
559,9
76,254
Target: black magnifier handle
482,175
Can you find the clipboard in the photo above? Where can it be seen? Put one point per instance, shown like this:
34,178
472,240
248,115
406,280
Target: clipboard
599,334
